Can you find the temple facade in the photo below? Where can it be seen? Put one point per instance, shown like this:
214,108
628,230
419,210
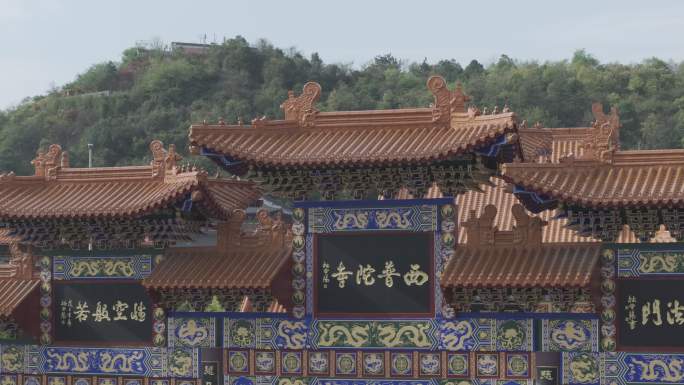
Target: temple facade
444,245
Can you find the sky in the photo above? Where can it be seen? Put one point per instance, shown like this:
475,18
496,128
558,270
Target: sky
47,43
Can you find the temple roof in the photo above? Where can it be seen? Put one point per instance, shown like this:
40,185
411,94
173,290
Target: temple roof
17,280
499,194
238,261
550,265
308,137
549,145
518,256
14,291
585,166
59,191
630,178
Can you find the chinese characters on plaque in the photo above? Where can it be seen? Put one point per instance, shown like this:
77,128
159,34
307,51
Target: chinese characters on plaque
102,311
365,275
374,273
651,312
547,375
73,312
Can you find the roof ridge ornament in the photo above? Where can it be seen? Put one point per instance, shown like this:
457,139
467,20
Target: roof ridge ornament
163,160
271,231
482,232
446,101
47,163
302,108
604,138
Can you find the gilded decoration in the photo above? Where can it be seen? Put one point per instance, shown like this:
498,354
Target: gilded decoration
242,333
137,362
401,364
31,380
181,363
570,335
105,267
487,365
581,368
8,380
608,301
82,381
430,364
374,334
59,380
12,359
517,365
373,364
9,330
458,334
319,363
452,334
192,332
45,265
640,262
654,368
298,262
159,326
513,335
291,334
265,362
267,333
291,362
413,218
238,361
345,364
458,365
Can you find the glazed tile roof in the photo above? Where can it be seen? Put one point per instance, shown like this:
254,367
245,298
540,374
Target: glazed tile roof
551,265
586,166
206,268
542,145
500,195
17,280
632,178
307,137
58,191
14,291
238,261
518,256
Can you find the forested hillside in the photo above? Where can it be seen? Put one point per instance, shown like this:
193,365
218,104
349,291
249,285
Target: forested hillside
155,94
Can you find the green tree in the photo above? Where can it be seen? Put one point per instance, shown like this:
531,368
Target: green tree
157,94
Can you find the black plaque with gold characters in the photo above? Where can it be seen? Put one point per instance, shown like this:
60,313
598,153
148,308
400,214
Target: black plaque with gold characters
102,312
547,375
210,373
374,274
651,313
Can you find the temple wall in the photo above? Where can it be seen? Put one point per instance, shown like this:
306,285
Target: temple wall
308,347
